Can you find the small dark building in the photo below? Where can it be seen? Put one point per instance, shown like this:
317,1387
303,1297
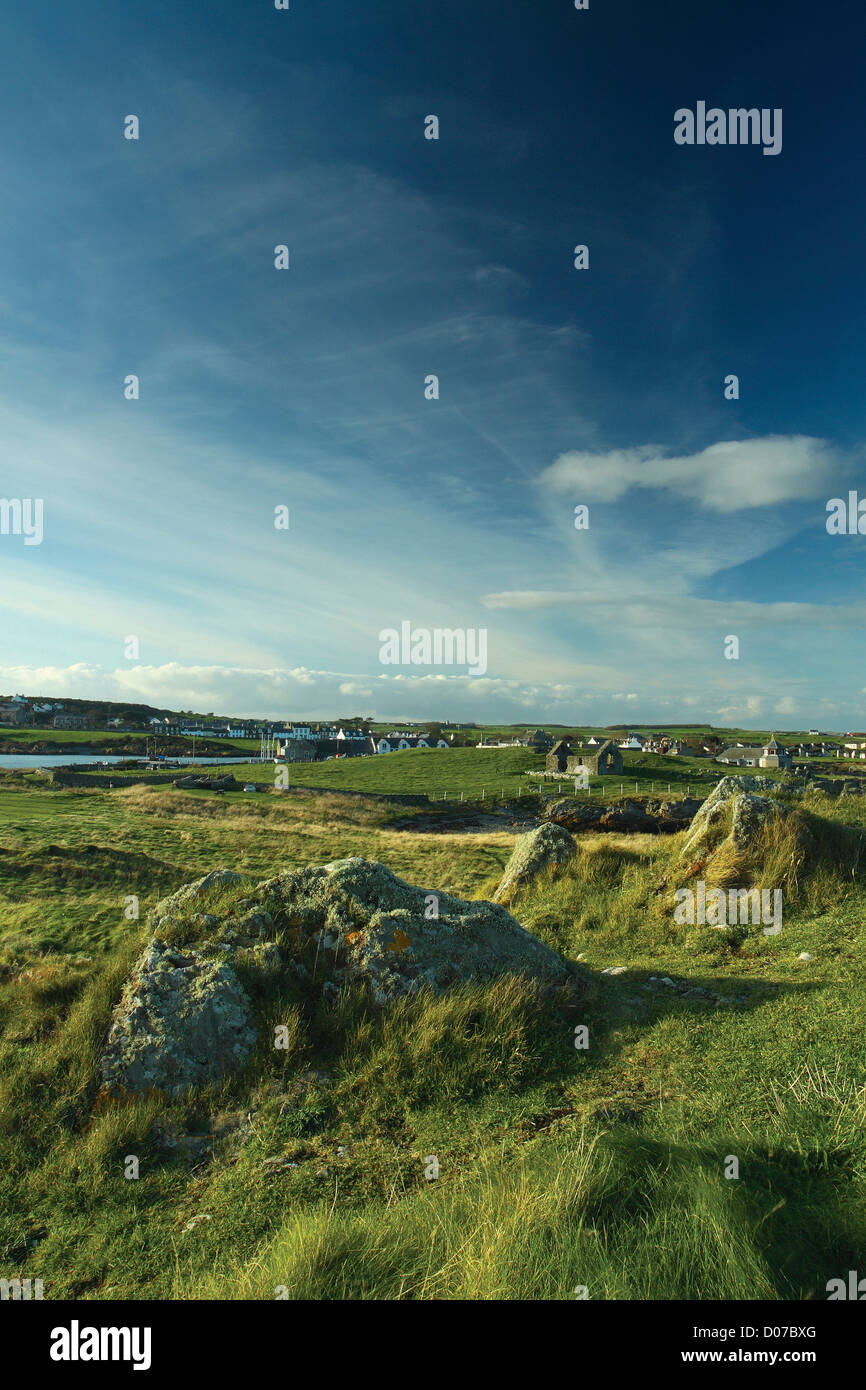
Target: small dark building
540,741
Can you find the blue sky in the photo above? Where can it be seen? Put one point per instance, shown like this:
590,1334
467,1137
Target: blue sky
558,387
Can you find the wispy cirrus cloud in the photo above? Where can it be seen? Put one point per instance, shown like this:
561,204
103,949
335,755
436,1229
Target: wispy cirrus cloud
665,609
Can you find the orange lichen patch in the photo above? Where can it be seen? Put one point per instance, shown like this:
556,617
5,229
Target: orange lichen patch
400,942
696,867
354,936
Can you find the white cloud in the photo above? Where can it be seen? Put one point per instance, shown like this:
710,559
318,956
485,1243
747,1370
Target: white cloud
750,707
306,693
726,477
299,692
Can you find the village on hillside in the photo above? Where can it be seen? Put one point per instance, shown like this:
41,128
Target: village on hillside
598,753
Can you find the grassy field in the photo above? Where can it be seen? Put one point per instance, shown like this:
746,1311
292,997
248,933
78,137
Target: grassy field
501,773
558,1167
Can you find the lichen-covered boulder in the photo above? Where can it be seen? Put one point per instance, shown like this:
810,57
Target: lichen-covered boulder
732,812
749,814
184,1020
368,924
628,815
188,898
534,851
838,786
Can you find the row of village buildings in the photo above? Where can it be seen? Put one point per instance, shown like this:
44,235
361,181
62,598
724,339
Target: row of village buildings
288,742
313,742
606,753
600,756
296,742
299,743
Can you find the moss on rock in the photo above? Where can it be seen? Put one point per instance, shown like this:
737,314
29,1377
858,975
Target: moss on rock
184,1020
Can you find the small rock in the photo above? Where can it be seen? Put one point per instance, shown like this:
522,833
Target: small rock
804,955
196,1221
615,970
547,845
269,955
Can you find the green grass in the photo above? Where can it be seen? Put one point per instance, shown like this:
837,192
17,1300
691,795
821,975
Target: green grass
434,772
496,773
558,1167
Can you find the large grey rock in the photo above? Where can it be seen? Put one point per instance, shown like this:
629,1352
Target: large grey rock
534,851
650,815
839,786
749,814
732,812
368,924
184,1020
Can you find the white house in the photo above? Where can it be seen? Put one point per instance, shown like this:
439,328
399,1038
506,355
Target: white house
741,755
394,743
774,755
